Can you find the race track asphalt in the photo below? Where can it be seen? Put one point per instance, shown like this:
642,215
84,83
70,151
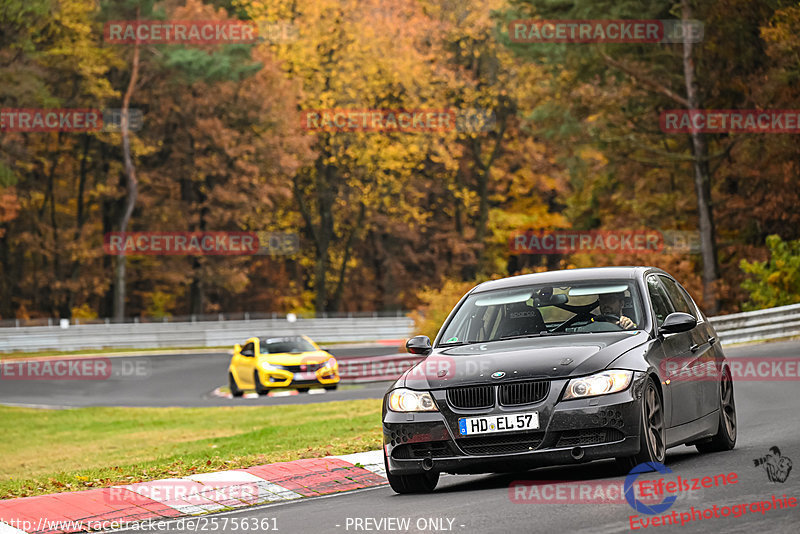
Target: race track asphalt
177,380
768,415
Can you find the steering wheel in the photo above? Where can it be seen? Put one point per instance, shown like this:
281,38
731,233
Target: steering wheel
607,317
572,320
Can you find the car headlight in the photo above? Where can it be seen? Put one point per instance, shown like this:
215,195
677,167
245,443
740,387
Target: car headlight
406,400
330,364
269,367
601,383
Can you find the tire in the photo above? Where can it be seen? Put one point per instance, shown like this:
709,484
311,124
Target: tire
417,483
235,391
725,438
331,388
652,434
260,389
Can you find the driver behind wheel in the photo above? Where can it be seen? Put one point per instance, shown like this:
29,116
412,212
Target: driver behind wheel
611,308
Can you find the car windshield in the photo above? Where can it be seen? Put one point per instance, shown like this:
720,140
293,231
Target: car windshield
280,345
531,311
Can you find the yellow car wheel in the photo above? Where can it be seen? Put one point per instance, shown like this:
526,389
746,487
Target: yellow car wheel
235,391
260,389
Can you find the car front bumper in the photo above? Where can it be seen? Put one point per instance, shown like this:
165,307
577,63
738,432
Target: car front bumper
281,378
569,432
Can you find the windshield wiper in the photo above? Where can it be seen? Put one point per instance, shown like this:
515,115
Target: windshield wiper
540,334
454,344
520,336
561,333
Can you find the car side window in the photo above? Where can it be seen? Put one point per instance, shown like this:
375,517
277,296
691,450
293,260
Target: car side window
679,302
661,305
248,350
692,304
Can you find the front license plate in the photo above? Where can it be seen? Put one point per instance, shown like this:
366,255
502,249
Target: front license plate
498,423
305,376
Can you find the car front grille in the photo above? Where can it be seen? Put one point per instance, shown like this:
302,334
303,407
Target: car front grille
518,393
471,397
488,445
302,368
513,394
594,436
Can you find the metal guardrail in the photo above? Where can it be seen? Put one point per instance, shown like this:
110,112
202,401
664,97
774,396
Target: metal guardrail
759,325
198,334
236,316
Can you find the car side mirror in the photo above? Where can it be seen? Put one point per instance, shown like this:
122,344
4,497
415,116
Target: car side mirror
677,322
419,345
237,348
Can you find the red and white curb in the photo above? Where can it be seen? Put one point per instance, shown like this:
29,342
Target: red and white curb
252,395
192,495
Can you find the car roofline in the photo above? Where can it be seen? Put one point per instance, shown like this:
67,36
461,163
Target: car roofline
590,274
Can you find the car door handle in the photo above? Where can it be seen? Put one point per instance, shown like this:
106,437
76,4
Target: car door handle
712,340
694,348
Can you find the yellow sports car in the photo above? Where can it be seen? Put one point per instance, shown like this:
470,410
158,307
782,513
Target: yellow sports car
281,362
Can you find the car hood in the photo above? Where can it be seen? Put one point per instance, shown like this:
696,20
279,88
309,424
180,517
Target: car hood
529,358
296,358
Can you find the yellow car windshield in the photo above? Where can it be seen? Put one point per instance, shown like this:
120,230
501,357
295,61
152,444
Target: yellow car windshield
285,344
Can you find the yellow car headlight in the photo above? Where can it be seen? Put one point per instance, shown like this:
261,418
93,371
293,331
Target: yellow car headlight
406,400
601,383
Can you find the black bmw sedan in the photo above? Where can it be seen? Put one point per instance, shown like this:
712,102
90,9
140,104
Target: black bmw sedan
559,368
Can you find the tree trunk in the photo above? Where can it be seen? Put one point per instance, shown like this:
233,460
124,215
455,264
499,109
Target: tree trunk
702,180
131,185
348,247
324,236
79,220
483,176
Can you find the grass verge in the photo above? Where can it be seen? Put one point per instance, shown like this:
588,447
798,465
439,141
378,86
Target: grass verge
70,450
